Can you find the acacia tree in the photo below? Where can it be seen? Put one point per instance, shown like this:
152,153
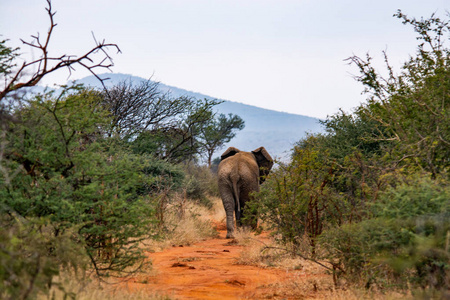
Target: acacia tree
217,132
137,107
183,144
173,129
187,132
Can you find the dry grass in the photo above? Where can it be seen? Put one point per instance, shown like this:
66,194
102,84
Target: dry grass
188,223
310,280
217,212
320,289
92,290
193,223
263,251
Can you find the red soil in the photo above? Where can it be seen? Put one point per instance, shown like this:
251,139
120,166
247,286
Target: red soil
208,270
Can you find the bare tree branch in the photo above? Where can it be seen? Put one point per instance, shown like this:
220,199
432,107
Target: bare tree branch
47,64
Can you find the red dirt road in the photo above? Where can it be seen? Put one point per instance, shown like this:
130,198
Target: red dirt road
208,270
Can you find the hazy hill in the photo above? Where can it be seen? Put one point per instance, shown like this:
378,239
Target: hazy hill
276,131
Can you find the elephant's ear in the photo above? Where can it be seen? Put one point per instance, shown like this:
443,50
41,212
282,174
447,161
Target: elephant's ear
229,152
265,162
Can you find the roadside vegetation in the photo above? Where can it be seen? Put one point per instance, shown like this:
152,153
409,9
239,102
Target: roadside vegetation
369,199
88,176
92,179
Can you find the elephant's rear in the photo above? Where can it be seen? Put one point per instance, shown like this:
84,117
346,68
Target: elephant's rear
239,174
228,178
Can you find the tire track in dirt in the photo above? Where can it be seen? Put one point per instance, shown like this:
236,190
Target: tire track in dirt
208,270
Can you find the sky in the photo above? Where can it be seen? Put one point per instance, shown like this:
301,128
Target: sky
283,55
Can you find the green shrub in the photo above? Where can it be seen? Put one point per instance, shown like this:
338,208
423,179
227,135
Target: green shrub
406,242
66,187
295,199
360,249
31,255
417,195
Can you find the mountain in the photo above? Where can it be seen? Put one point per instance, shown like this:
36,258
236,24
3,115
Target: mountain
276,131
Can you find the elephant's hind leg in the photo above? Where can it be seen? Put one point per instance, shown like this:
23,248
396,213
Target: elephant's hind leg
229,205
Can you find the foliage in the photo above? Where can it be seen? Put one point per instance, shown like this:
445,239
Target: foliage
165,176
350,133
296,198
140,107
375,184
412,108
217,132
36,242
175,139
31,255
191,131
7,57
85,175
407,238
61,166
83,186
358,173
318,190
414,196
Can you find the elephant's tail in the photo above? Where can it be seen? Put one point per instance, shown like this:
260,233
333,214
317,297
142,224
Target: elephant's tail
238,203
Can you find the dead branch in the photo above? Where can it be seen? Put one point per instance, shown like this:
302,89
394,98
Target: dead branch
47,64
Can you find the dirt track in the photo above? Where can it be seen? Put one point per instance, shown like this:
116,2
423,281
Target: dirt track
208,270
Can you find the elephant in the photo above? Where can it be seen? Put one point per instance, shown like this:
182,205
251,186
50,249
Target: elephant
239,174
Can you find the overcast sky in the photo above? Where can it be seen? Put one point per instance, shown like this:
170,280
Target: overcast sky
285,55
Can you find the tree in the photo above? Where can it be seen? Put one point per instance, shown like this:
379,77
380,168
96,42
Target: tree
217,132
177,139
346,133
40,233
174,129
138,107
80,182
